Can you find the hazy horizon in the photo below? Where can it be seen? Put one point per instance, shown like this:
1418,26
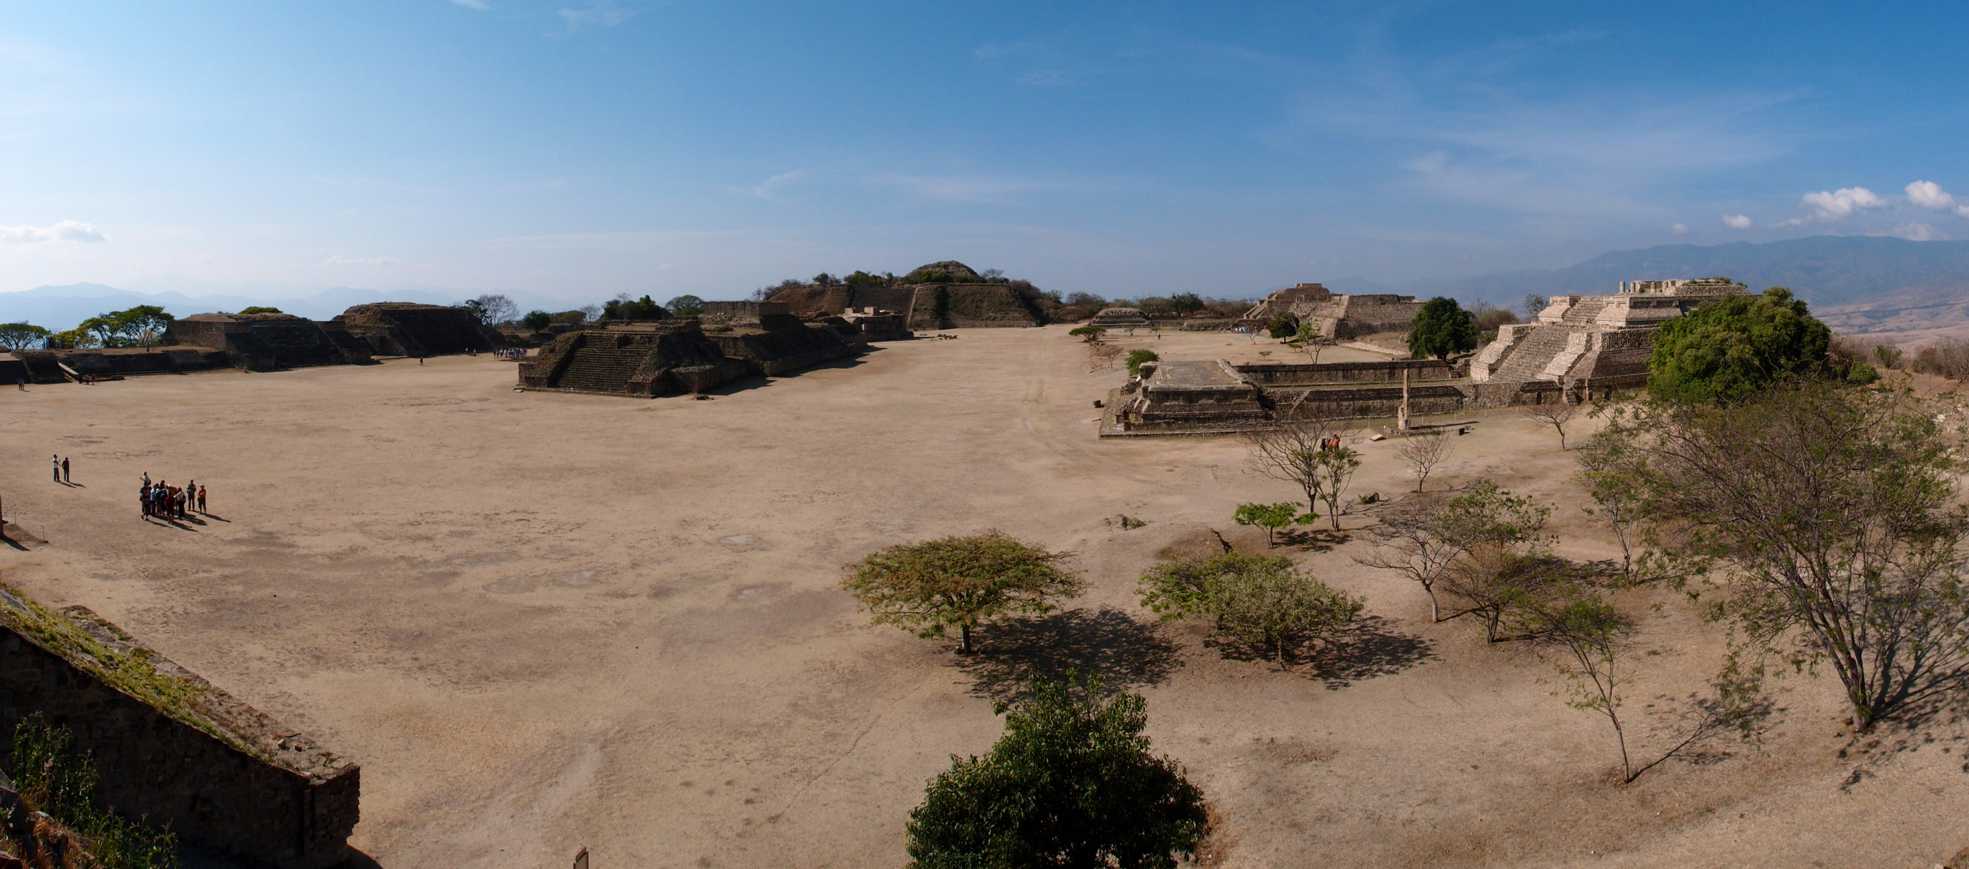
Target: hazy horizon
572,150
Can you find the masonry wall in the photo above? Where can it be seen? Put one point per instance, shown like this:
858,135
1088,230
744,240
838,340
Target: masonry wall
1309,373
154,766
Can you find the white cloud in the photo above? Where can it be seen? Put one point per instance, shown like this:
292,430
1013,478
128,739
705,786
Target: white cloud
339,260
597,13
1736,221
960,188
474,5
1840,204
65,230
1916,232
1928,194
770,188
1679,229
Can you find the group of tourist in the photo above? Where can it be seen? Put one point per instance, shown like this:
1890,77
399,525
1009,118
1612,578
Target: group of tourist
164,501
60,467
511,354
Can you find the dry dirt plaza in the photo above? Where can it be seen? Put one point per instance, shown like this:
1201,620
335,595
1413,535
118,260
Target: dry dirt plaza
542,621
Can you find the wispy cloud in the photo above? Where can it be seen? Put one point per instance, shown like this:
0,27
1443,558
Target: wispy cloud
595,13
975,189
1737,221
474,5
1917,232
64,230
773,186
1678,230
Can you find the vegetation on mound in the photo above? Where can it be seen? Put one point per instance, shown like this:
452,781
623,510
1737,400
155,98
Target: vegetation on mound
1136,358
54,777
1072,782
1736,348
131,673
1261,602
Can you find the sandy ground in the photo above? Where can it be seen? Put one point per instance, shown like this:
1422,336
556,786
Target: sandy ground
545,621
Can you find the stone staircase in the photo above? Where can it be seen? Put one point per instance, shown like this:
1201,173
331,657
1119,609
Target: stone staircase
1584,312
597,368
1533,354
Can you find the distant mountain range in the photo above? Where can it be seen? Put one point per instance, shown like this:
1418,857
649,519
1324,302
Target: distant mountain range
61,307
1824,270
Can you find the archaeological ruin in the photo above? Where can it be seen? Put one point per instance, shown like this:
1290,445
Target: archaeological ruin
1121,318
172,748
1594,342
411,329
728,341
1220,397
939,295
269,341
1334,315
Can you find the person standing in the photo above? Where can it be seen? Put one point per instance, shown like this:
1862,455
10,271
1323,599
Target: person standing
143,501
201,499
65,476
56,466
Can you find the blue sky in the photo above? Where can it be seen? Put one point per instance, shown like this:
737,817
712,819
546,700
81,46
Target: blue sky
574,149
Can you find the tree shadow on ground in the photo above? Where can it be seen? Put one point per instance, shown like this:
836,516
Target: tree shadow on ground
1105,644
1933,714
1313,539
1366,649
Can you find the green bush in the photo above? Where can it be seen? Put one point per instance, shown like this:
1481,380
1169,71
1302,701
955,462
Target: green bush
259,309
1270,517
1136,358
53,777
1282,326
1733,349
1441,329
1258,601
1070,783
537,320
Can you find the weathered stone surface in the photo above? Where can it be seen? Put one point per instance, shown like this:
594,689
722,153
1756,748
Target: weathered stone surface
1594,341
171,747
1335,315
267,342
409,329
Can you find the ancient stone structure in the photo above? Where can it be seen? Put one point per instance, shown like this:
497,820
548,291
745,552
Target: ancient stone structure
1121,318
56,366
171,747
769,339
1592,342
939,295
878,324
1334,315
1217,397
266,342
409,329
641,359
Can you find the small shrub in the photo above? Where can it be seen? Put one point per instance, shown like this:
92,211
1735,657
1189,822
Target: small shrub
1136,358
1270,517
1282,326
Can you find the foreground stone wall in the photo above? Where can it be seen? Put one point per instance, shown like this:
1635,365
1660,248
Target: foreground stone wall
219,773
267,342
1308,373
409,329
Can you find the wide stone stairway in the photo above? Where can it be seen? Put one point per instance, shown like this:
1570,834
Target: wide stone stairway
602,368
1546,341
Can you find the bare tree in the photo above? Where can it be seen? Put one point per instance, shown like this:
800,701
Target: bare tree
1423,536
493,309
1337,465
1821,518
1607,470
1290,453
1422,452
1594,635
1555,415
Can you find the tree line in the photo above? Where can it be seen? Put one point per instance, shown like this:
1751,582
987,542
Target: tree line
138,326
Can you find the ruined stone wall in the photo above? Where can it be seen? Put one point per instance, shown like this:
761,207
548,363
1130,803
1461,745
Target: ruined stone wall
672,359
1308,373
269,796
783,350
267,342
971,306
408,329
1366,402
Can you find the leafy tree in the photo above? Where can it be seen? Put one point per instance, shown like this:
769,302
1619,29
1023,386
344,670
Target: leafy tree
993,275
1136,358
1260,601
1186,303
1606,469
860,280
21,336
1507,589
959,582
1071,782
1424,537
1535,303
1441,329
1270,517
824,280
1090,334
144,324
492,309
105,330
1335,467
1290,453
537,320
1821,520
1734,348
78,338
1594,635
686,305
259,309
1282,326
623,307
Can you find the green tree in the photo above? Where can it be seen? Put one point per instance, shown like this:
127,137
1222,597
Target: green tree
1593,635
1282,326
686,305
959,582
1732,349
1186,303
1818,520
1335,467
21,336
144,324
1089,334
1441,329
1270,517
1136,358
1535,303
1260,601
1071,782
1424,537
105,330
537,320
